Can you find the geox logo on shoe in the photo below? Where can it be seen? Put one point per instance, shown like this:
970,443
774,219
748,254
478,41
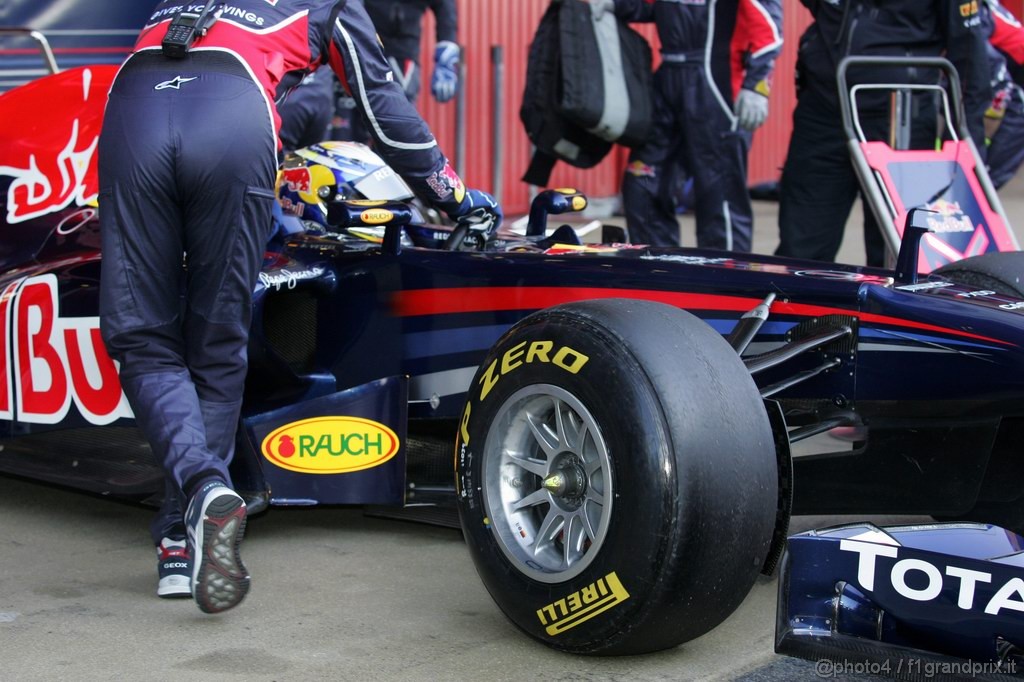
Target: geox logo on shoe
174,84
582,605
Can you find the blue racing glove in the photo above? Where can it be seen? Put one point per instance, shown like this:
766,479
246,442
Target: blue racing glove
478,207
445,81
476,220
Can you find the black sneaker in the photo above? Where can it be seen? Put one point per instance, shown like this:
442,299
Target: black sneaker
174,566
216,523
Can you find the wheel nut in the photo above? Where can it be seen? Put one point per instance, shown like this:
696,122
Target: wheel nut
555,484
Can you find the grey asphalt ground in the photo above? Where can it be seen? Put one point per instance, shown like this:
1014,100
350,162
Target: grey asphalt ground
336,596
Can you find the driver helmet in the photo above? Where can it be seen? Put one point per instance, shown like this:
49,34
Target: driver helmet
305,182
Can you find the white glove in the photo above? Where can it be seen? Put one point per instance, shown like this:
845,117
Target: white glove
599,7
751,109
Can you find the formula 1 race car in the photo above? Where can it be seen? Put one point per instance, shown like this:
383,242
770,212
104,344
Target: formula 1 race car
620,417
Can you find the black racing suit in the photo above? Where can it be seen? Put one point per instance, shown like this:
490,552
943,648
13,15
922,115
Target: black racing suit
707,59
819,184
187,164
399,25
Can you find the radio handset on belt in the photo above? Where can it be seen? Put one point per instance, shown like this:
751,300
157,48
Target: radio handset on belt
185,28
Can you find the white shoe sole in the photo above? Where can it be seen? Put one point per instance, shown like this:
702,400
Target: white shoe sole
219,578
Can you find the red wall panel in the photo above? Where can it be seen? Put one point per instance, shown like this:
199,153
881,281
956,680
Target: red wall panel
482,25
511,24
771,140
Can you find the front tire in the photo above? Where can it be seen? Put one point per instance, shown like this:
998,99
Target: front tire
616,475
1001,272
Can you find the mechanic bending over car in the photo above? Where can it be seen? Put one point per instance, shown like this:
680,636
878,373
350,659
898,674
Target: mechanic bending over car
710,94
187,164
819,184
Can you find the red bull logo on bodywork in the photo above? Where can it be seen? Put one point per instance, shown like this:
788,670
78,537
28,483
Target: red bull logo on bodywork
950,217
49,362
54,167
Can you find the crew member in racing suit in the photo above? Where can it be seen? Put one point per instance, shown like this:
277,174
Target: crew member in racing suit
819,184
399,25
307,111
187,164
710,93
1006,69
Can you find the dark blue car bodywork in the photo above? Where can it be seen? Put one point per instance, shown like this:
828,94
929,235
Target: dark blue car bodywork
394,334
940,601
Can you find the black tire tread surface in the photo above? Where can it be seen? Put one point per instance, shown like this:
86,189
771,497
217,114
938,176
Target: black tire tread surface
1001,272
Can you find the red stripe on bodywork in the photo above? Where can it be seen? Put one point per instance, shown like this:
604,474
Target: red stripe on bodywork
417,302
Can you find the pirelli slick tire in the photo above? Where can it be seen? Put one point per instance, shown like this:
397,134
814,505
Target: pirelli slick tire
616,477
1001,272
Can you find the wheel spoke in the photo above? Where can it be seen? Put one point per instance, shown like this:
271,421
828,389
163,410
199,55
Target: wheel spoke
591,518
534,466
549,529
533,499
543,436
560,408
575,537
580,437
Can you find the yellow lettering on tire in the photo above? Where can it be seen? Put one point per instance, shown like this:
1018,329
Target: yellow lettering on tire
464,427
539,351
511,359
489,380
577,363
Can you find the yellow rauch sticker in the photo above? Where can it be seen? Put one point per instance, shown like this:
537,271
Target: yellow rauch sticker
377,216
582,605
330,445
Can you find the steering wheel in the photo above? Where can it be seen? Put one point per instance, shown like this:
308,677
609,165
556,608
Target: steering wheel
470,234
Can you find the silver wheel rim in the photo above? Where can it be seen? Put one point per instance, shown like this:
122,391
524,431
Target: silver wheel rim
547,483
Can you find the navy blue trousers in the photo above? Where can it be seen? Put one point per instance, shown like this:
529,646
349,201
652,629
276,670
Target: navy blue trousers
1006,149
187,162
693,131
819,183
